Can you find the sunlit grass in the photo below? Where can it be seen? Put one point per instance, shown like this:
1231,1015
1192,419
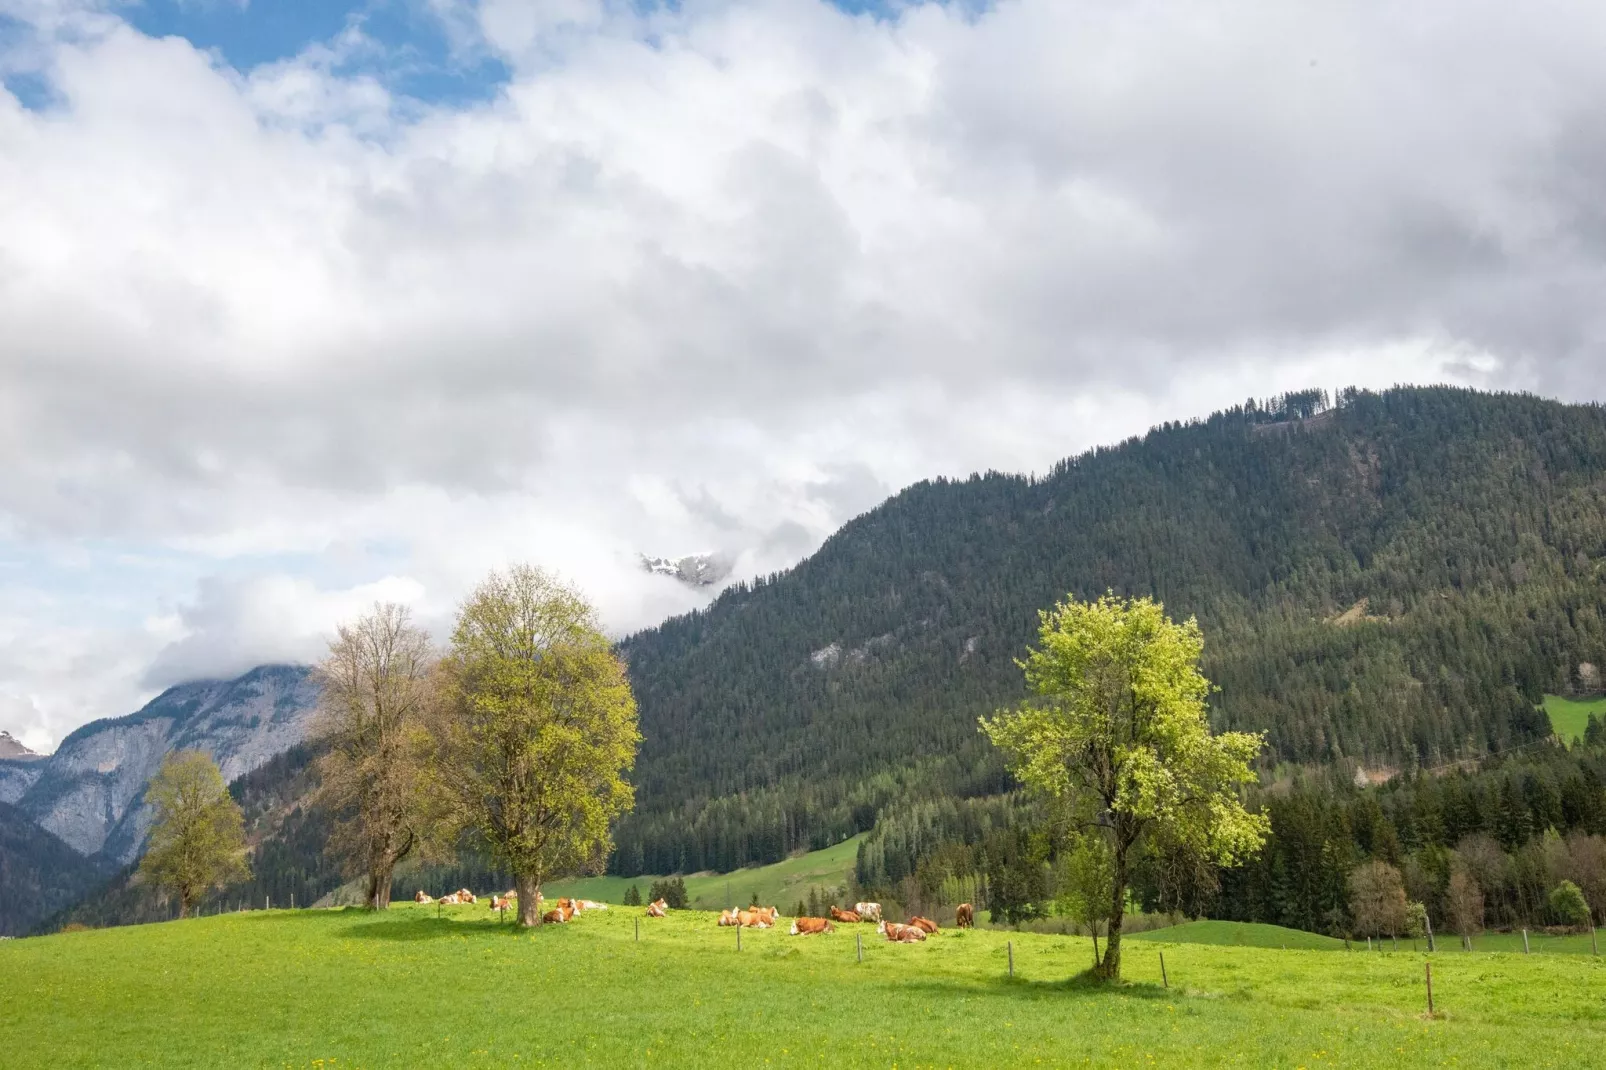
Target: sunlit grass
1568,717
410,989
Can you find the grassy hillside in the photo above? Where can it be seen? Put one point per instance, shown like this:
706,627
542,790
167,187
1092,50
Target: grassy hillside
780,884
1569,716
341,988
1358,603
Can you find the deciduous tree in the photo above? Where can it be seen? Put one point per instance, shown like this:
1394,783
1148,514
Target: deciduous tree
1118,735
376,685
537,730
1377,899
198,837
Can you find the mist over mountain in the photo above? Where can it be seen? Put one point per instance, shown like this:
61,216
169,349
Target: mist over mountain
89,791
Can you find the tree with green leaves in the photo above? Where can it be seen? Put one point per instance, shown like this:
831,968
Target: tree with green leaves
375,693
1569,907
198,837
632,896
672,890
536,730
1118,737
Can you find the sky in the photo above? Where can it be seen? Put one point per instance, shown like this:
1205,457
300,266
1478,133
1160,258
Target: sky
308,304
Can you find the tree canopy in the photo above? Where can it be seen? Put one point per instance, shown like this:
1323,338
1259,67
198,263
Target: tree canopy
1118,737
537,730
375,693
197,839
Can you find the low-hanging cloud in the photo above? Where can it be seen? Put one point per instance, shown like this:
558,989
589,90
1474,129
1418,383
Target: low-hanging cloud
721,275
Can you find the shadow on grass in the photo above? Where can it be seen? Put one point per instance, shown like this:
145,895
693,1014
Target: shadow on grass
410,930
1078,986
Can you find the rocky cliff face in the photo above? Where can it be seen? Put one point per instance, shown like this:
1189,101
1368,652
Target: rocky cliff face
89,791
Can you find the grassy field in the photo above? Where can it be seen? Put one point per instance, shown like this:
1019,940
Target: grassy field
781,884
338,988
1569,716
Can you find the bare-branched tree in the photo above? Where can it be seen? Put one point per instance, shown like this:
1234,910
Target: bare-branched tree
376,684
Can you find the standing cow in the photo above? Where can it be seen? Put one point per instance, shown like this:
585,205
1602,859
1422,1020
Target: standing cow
868,911
965,916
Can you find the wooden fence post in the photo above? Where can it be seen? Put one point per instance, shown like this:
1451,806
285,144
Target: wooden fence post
1429,967
1593,950
1430,932
1011,946
738,937
1525,941
858,945
1164,980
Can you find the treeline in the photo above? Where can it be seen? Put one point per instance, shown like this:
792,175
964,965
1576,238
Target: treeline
1496,838
1395,579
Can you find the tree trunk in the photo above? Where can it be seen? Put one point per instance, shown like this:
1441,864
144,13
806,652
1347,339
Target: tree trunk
528,886
1110,968
379,880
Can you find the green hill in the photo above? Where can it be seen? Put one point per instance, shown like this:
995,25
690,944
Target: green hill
1396,581
1241,934
335,988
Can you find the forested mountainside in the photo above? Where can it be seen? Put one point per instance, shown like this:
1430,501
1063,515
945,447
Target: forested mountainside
39,874
1394,580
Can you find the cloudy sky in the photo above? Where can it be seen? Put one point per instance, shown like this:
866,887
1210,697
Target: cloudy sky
305,303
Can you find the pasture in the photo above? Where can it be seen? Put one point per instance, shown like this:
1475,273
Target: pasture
1569,716
781,884
340,988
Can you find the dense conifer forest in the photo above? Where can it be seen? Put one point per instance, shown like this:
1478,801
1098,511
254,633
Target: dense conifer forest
1393,580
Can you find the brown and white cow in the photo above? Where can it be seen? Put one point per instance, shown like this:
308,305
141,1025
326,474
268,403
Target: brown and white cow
924,924
868,911
422,897
557,917
845,916
901,934
588,904
806,926
755,919
659,908
500,902
451,899
965,916
466,896
728,917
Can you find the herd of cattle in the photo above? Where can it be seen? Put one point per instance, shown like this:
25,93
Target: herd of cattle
756,917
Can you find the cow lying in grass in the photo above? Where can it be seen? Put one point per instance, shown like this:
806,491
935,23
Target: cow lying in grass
757,918
659,908
868,911
844,916
451,900
500,902
901,934
465,896
965,916
588,904
806,926
558,916
421,897
925,924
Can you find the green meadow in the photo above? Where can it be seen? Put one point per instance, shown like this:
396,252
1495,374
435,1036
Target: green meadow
341,988
1569,716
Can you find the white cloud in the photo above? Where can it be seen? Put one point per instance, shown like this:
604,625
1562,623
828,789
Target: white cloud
717,277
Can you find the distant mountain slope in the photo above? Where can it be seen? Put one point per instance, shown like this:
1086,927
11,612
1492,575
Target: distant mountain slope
88,791
39,874
1395,580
